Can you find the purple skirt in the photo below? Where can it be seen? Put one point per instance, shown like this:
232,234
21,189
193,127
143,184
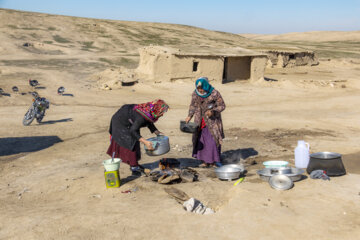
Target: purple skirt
206,149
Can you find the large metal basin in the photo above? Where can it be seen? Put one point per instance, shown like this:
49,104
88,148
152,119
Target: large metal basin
162,146
229,172
295,175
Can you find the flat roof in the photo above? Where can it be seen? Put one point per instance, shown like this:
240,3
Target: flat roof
205,51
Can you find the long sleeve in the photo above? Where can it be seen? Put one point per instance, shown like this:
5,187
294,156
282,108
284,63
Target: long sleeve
152,127
220,104
135,128
110,128
193,105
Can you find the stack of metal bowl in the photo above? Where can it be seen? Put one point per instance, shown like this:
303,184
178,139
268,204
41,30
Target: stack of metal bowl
281,178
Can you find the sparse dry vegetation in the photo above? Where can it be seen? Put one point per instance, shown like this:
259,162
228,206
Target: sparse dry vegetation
60,39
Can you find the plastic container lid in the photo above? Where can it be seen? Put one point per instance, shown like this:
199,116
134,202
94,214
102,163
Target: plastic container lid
275,164
281,182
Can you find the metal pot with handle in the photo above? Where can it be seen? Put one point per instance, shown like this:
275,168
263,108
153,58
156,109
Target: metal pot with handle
161,145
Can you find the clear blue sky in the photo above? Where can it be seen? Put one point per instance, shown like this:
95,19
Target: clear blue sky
236,16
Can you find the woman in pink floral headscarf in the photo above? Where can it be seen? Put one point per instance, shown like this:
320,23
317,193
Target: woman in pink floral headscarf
125,130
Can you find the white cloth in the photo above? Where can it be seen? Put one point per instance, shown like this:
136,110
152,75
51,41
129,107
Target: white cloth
194,205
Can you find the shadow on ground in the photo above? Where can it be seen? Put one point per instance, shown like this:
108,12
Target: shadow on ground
57,121
128,179
15,145
234,156
270,79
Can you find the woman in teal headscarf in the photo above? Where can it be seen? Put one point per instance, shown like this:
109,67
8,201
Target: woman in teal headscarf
203,87
206,107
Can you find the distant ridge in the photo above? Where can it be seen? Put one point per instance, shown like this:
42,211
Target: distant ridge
315,36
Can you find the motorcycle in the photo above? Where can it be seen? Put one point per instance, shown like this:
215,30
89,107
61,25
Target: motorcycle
36,110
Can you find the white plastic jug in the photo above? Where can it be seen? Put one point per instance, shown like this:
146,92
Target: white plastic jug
302,154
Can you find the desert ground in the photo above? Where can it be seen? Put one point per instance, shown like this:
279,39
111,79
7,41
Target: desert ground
51,175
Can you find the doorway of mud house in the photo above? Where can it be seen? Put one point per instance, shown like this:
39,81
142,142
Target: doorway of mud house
236,68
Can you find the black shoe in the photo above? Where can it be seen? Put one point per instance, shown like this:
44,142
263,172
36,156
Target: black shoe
137,171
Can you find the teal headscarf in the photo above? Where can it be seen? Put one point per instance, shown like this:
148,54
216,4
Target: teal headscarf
203,82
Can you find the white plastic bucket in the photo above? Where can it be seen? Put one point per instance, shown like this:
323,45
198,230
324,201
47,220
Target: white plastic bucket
112,166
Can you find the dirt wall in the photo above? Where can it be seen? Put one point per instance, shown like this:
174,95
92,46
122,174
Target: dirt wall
154,65
258,65
182,67
291,59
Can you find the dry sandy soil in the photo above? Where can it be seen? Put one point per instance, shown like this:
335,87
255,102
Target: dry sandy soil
51,177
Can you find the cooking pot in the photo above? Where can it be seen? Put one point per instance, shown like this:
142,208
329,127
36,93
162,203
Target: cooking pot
161,146
229,172
189,127
328,161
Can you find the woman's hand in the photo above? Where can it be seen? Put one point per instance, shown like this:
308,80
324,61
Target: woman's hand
187,119
208,113
147,143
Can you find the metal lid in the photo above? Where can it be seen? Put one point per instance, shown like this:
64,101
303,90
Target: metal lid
281,182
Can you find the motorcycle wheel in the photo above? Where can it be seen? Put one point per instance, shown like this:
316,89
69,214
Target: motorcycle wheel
29,117
39,119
